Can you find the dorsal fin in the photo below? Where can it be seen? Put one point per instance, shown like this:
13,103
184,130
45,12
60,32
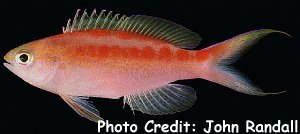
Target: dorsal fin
154,27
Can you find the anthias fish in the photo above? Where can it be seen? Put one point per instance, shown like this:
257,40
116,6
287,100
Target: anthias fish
137,58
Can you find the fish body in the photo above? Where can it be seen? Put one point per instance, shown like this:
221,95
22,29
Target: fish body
136,57
92,62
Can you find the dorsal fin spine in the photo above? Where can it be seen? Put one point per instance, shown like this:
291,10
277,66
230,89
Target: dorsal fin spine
67,28
113,20
75,20
134,24
83,16
124,23
120,21
101,16
94,13
153,27
68,25
129,23
106,20
98,18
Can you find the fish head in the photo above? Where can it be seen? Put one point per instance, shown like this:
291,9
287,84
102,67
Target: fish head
34,62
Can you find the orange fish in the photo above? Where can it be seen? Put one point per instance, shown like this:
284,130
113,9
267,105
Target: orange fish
136,57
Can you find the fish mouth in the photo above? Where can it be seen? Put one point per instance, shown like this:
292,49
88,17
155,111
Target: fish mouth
7,64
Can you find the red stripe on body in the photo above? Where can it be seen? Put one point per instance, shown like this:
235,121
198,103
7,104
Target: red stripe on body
148,53
182,55
201,55
80,44
165,53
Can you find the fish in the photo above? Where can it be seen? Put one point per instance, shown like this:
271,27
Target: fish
137,58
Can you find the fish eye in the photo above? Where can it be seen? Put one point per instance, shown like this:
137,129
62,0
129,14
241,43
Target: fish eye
24,57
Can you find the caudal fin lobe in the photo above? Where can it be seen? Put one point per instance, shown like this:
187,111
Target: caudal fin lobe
225,53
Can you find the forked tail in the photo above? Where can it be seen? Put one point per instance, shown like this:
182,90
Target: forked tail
223,54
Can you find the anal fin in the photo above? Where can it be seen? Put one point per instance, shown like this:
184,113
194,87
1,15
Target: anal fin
82,106
167,99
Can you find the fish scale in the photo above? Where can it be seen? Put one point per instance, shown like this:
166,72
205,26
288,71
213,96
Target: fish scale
136,57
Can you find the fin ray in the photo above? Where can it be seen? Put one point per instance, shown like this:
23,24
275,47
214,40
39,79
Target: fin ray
153,27
151,103
157,102
226,53
83,107
167,99
229,51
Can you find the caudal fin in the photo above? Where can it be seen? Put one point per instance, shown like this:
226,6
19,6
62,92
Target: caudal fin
225,53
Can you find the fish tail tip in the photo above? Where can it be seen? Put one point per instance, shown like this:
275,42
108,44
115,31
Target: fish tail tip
275,93
282,32
285,33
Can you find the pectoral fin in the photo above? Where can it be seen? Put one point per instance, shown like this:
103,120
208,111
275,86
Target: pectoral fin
82,106
167,99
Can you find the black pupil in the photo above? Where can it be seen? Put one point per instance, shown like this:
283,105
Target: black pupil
23,57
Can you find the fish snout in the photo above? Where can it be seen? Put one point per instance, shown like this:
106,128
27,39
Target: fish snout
7,60
5,57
